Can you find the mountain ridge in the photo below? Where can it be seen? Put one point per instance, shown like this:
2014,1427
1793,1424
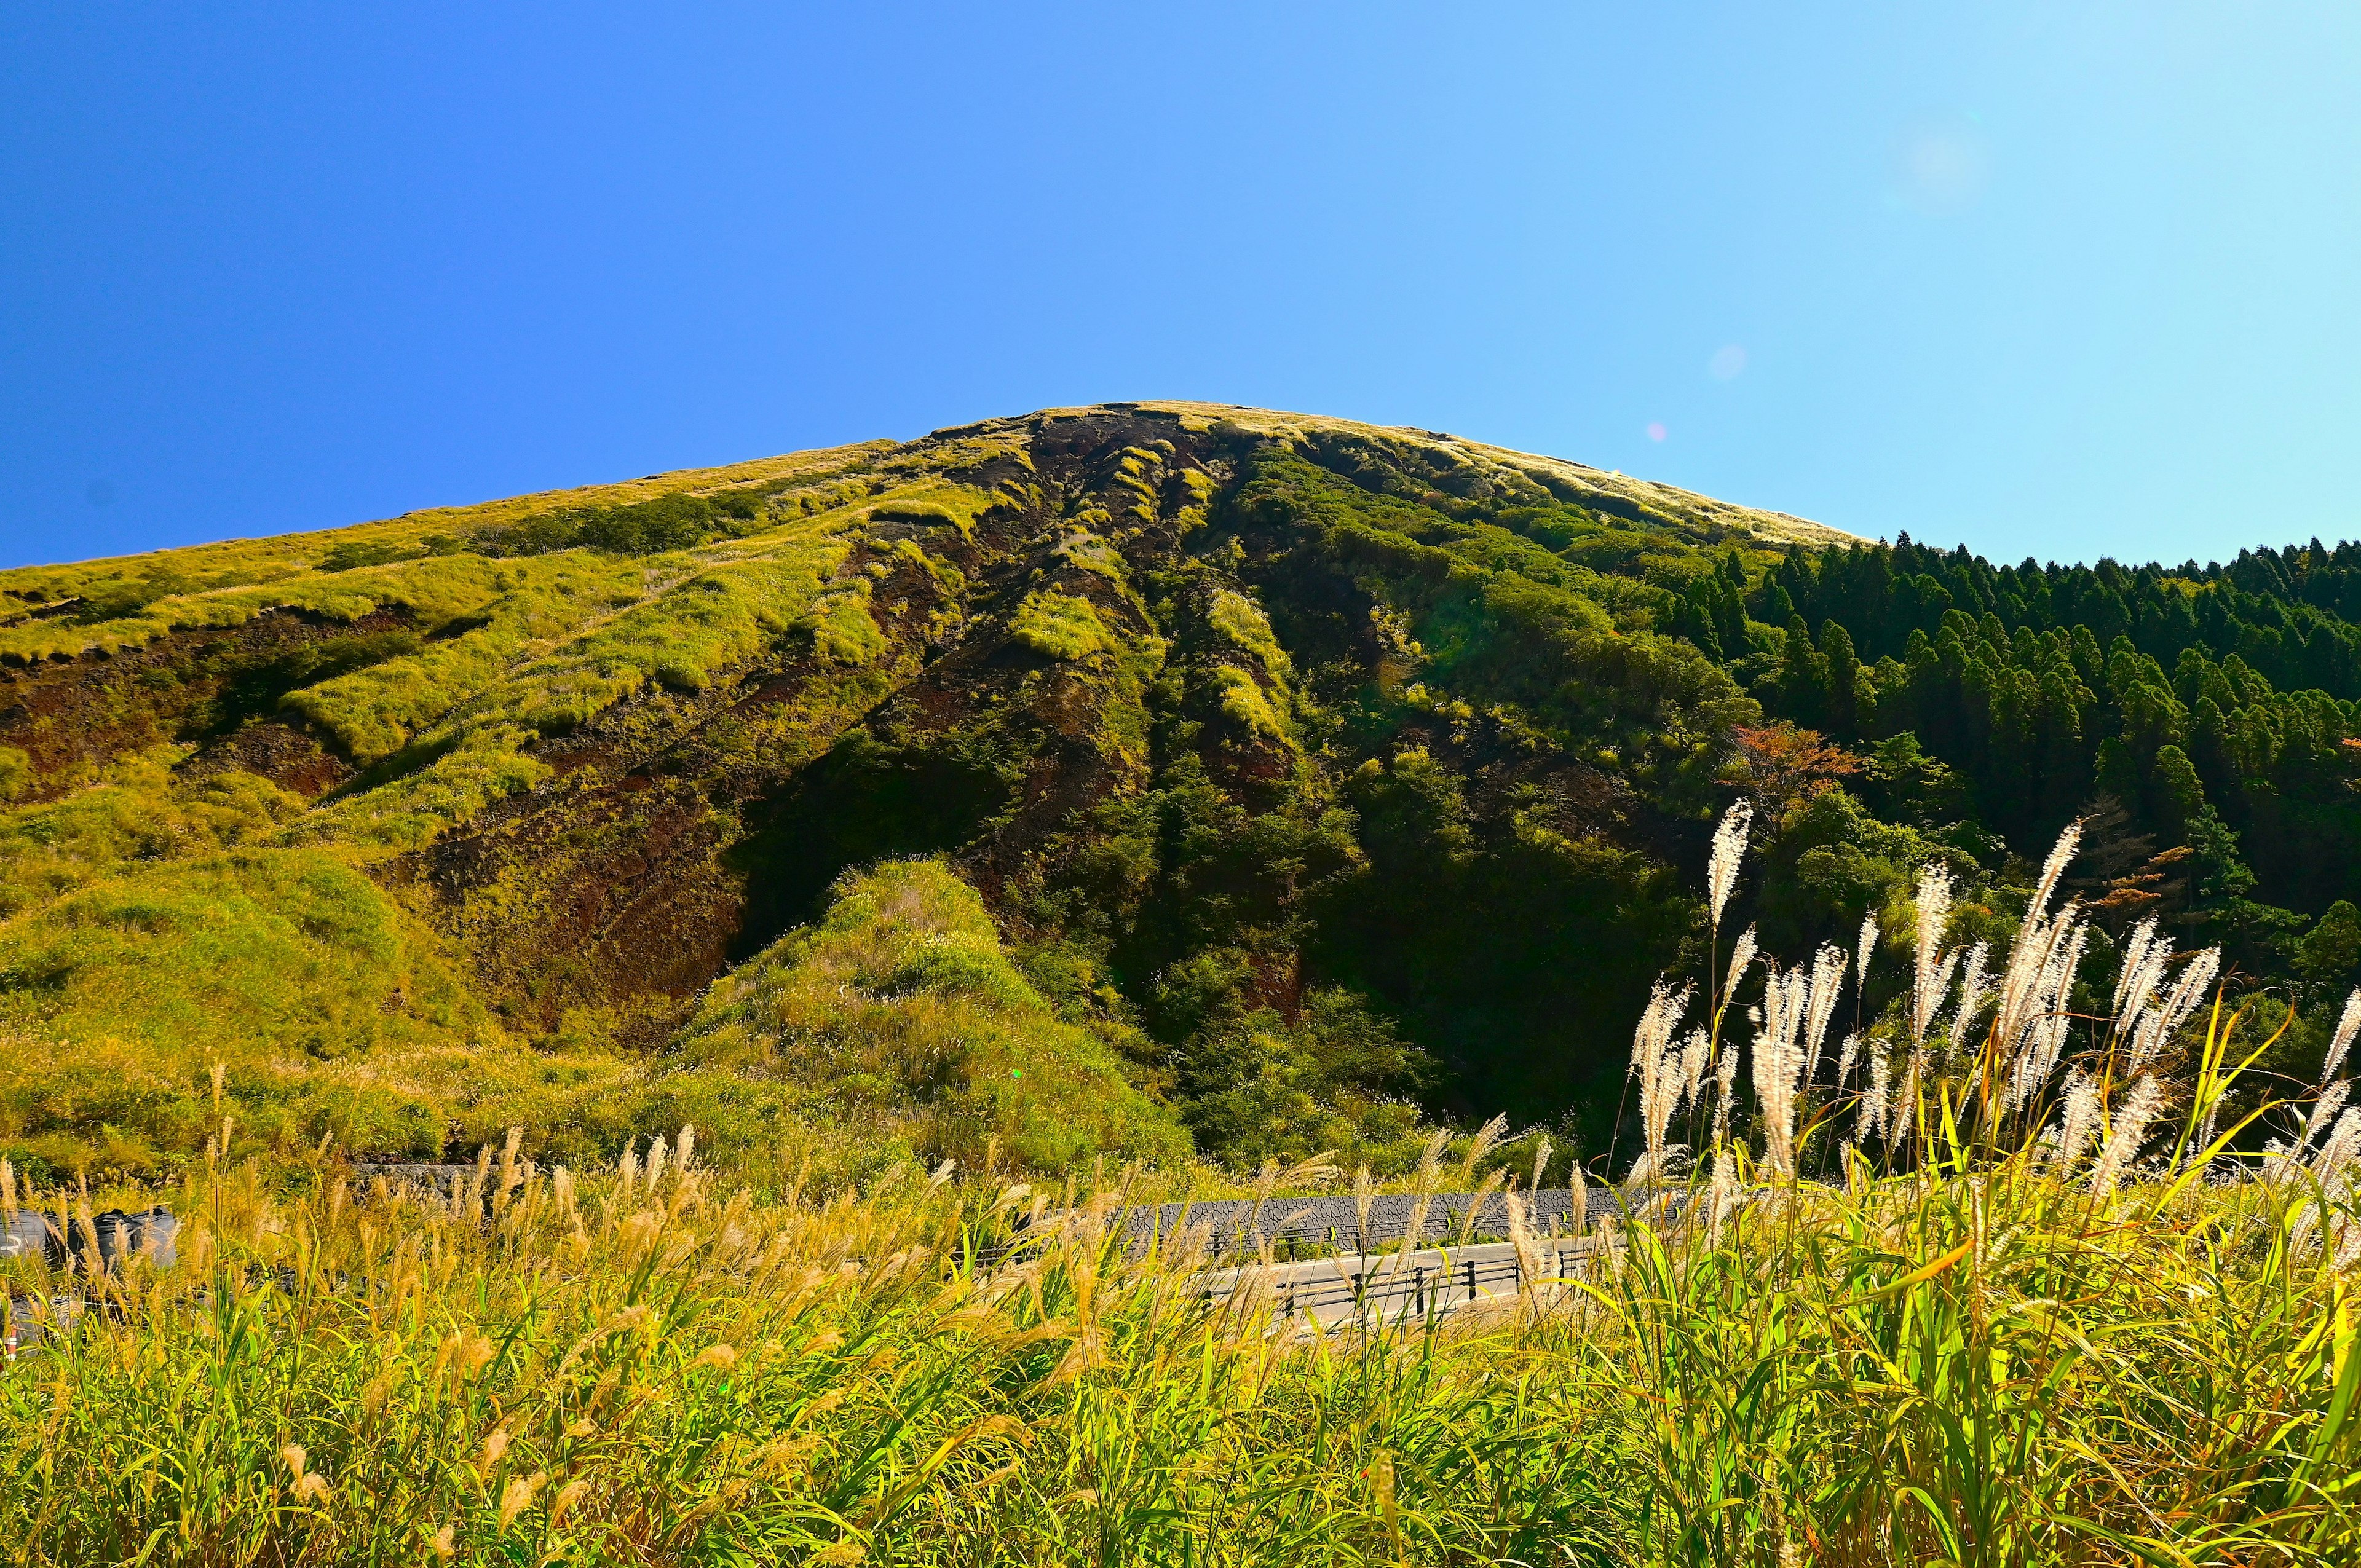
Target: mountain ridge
1318,778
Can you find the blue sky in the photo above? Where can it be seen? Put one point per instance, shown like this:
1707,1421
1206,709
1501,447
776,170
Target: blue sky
2062,280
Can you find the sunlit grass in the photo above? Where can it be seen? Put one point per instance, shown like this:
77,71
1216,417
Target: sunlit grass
1994,1366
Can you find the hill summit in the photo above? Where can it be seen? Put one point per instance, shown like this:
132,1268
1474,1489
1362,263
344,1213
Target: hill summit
1149,778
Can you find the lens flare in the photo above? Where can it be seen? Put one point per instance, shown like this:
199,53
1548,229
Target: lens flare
1940,164
1656,431
1728,363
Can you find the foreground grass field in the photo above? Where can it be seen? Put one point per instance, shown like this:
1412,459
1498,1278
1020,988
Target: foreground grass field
1970,1296
1994,1367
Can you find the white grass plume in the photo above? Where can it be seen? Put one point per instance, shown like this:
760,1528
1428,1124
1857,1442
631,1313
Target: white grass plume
2131,1119
2076,1118
2338,1149
1740,956
1487,1137
1697,1050
1931,974
1847,1056
1778,1061
1728,849
1875,1104
2060,854
2158,1023
2339,1043
2143,965
1827,985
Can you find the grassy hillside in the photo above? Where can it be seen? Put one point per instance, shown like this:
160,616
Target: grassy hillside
1244,783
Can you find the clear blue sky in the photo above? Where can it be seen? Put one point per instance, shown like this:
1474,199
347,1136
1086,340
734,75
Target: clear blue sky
2053,279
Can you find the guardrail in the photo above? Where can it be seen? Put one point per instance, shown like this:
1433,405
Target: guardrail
1241,1227
1389,1285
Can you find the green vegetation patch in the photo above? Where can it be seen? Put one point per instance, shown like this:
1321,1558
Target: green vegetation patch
900,1011
685,635
1246,703
435,591
842,629
374,712
448,784
276,963
1242,623
1060,626
678,521
1092,553
936,505
144,812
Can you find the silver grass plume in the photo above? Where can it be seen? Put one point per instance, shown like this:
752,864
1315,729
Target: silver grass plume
1490,1135
1903,1118
2324,1112
2336,1150
2061,853
1932,976
1532,1264
2284,1161
2144,959
1975,986
1725,1072
2347,1233
2348,1026
2031,1022
1728,848
1849,1054
2334,1187
1740,956
1695,1051
1657,1020
2057,982
1778,1059
1866,948
1881,1086
2020,982
2131,1120
1722,1197
1661,1084
2076,1118
2021,997
1828,984
2157,1023
2045,1042
2195,982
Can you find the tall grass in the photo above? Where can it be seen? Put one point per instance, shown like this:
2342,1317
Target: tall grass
2036,1309
636,1368
2023,1317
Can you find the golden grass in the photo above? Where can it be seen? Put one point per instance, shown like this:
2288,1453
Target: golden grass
640,1365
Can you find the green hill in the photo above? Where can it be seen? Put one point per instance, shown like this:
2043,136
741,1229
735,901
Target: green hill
1116,780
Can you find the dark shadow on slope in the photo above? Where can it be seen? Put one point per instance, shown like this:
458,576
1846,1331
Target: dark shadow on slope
867,800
